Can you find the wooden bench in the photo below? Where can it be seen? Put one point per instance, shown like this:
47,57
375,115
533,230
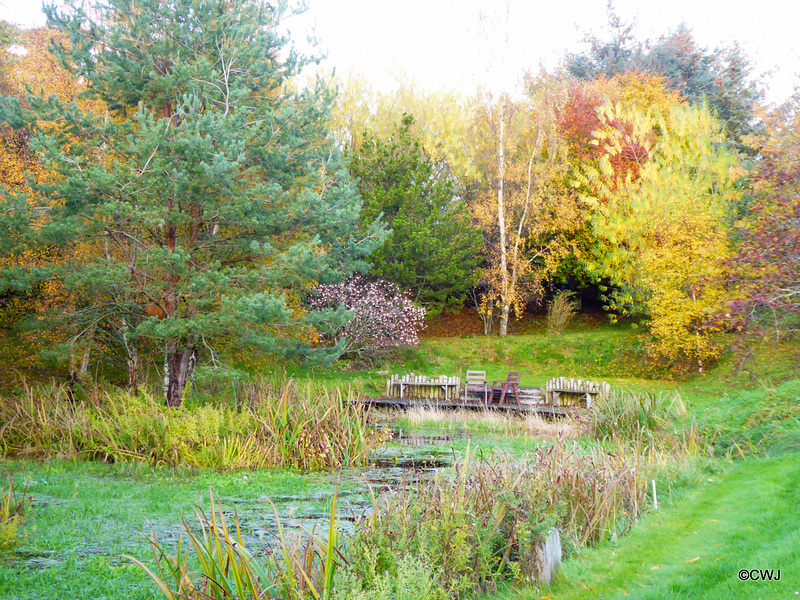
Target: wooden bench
445,384
561,388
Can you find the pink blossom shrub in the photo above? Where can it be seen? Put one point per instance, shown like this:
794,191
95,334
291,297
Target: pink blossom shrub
384,318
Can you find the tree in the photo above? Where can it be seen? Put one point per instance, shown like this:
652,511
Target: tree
441,118
606,58
210,186
521,199
765,270
719,77
32,296
663,227
433,248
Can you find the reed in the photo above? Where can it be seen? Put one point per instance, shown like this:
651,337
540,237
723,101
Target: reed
309,428
486,522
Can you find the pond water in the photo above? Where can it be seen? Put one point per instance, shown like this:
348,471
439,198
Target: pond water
410,458
406,460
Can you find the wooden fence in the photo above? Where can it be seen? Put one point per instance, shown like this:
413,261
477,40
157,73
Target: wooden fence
560,391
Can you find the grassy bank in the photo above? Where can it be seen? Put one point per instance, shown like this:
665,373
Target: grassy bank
743,518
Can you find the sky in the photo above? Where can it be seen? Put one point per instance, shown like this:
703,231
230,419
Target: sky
461,44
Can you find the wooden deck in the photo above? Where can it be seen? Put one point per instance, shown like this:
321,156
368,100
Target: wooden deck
531,402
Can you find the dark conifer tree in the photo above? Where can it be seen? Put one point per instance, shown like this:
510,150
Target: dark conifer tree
209,186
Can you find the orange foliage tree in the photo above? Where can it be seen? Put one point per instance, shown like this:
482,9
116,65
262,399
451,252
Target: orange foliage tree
33,292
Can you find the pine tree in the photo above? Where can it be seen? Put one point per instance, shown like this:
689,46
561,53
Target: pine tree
433,250
209,184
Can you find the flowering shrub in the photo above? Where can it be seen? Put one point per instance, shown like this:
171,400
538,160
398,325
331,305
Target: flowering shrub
383,318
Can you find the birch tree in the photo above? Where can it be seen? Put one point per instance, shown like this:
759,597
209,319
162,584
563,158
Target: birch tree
521,198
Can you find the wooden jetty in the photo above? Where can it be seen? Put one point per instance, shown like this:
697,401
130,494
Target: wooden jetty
473,403
560,396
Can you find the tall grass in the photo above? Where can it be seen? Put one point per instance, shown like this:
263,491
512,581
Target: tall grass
305,428
11,513
629,414
490,421
486,523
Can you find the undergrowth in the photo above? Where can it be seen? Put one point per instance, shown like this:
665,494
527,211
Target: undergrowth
485,524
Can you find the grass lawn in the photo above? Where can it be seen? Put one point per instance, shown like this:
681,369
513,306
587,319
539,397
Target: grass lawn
745,518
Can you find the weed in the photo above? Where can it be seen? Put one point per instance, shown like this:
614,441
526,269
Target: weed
11,513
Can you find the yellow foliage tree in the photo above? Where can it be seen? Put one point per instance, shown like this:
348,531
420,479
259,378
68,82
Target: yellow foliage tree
663,226
441,119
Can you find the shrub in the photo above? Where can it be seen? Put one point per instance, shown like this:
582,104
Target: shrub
415,579
383,317
560,312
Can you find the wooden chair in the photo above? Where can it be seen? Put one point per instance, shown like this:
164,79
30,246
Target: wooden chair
510,384
477,381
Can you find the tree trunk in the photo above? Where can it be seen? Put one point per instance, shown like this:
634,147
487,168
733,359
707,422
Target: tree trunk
505,300
488,318
177,364
504,314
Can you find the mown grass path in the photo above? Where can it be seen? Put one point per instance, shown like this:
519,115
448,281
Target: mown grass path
747,518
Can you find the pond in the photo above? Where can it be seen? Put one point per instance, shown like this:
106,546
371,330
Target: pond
81,510
410,458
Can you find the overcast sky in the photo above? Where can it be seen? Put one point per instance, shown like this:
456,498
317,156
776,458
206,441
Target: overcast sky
462,43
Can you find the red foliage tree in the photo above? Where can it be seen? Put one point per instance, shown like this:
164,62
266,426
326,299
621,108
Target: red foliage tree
767,265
